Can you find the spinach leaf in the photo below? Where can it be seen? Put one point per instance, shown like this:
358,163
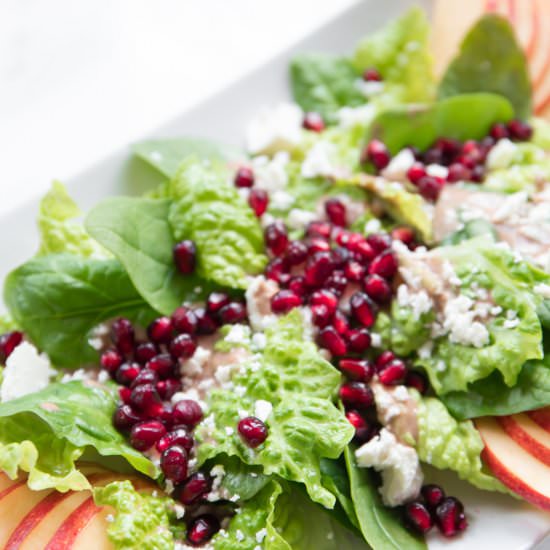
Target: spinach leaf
490,60
58,299
138,233
381,526
468,116
323,84
166,155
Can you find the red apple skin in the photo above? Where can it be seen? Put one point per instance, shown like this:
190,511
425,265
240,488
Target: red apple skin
541,417
532,445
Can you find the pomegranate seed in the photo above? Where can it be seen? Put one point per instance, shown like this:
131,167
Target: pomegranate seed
372,75
418,517
319,229
377,288
433,495
433,156
379,242
160,330
163,365
178,436
167,388
470,146
384,264
146,376
216,300
126,373
416,172
337,282
165,413
499,131
125,417
359,340
340,256
354,271
336,212
417,380
258,200
383,359
341,236
403,234
458,172
326,298
357,369
356,395
284,301
124,393
276,238
318,245
173,463
196,486
145,434
393,373
182,346
486,144
111,360
144,352
478,173
202,529
313,122
449,516
331,340
520,130
449,147
8,342
144,397
206,324
362,428
364,252
253,431
187,412
363,309
340,323
122,334
321,315
244,177
429,187
297,285
277,270
296,253
377,153
184,320
185,256
318,268
232,313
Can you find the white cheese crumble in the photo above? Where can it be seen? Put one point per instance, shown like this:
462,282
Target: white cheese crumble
261,534
298,219
348,117
259,341
318,160
399,465
195,364
258,296
372,226
419,302
270,174
369,88
399,165
238,334
275,129
459,321
239,535
437,171
262,409
281,200
501,155
26,372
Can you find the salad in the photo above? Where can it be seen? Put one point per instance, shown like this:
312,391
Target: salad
266,349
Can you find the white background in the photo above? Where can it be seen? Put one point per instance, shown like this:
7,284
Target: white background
79,78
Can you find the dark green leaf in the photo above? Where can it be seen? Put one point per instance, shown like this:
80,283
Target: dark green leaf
468,116
490,60
242,479
58,299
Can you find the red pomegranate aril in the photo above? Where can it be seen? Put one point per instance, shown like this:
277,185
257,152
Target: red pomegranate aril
448,146
125,417
167,388
122,335
379,242
196,486
357,369
8,342
433,156
124,393
433,495
478,173
499,131
362,427
202,529
336,282
377,153
429,187
418,517
126,373
297,285
377,289
258,200
319,229
276,238
342,236
184,320
144,352
356,395
340,323
335,210
314,122
163,365
416,172
178,436
393,373
416,380
317,245
321,315
520,130
403,234
364,252
188,413
458,172
206,324
318,268
216,300
164,413
363,309
340,256
234,312
354,271
111,360
359,340
277,270
144,396
173,463
371,75
145,434
146,376
449,516
296,253
244,177
160,330
284,301
384,264
470,146
253,431
185,257
325,297
331,340
183,346
383,359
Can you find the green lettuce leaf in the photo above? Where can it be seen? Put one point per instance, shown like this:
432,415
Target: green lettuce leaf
490,60
46,432
242,479
541,133
141,521
449,444
58,299
304,425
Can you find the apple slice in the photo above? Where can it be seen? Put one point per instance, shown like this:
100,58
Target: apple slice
541,417
528,434
519,470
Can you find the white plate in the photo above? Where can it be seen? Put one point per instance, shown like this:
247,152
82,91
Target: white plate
496,522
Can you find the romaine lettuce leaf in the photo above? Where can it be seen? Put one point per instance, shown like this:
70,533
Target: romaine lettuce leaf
541,133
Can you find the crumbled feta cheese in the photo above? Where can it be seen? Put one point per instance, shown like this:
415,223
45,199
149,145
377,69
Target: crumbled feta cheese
375,340
281,200
238,334
239,535
179,510
437,171
262,409
318,160
399,165
274,129
229,430
261,534
258,302
511,323
195,364
373,226
419,302
399,465
425,350
223,374
369,88
270,174
259,341
26,372
298,219
79,374
110,518
459,321
386,406
191,393
242,414
501,155
348,117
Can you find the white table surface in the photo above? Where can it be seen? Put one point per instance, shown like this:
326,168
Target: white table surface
80,78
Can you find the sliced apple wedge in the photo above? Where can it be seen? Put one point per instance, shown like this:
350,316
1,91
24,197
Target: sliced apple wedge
541,417
519,470
528,434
